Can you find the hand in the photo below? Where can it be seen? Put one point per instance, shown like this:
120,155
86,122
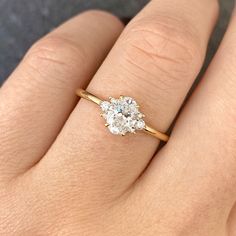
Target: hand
63,173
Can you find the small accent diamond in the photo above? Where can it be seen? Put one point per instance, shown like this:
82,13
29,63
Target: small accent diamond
105,106
140,125
122,115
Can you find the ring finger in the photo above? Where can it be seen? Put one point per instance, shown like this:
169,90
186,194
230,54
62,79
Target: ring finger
155,61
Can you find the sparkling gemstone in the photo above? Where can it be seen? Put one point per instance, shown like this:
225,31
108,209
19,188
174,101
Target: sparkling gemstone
105,106
122,115
140,124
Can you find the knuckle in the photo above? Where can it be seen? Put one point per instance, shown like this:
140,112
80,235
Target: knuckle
163,44
55,56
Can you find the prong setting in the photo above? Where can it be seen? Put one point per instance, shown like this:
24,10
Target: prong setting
122,115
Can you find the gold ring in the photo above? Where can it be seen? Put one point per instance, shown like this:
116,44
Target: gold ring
122,115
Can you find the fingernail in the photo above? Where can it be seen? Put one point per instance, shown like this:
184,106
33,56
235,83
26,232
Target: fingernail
125,20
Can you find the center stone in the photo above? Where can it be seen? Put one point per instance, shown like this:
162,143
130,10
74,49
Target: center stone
122,115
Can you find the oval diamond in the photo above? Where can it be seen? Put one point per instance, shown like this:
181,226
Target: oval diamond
122,115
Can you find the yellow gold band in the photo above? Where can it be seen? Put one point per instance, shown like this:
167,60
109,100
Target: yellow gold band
147,129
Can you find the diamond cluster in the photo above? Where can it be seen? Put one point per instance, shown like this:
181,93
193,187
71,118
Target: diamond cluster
122,115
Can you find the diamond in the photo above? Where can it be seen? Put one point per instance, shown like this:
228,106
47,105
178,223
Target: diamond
122,115
140,125
105,106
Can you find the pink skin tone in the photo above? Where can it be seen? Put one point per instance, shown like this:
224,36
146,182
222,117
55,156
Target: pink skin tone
63,173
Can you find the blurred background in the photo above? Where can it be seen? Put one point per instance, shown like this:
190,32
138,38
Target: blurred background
22,22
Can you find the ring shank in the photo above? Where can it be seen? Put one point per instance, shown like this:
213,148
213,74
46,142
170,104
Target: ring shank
149,130
156,133
88,96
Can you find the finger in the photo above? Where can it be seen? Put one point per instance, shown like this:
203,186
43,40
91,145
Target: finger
155,61
199,163
39,96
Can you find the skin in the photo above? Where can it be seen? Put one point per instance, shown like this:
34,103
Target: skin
63,173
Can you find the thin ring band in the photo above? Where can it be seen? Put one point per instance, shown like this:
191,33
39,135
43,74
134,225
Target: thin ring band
147,129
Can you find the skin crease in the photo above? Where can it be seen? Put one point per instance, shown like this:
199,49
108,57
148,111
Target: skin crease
63,173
